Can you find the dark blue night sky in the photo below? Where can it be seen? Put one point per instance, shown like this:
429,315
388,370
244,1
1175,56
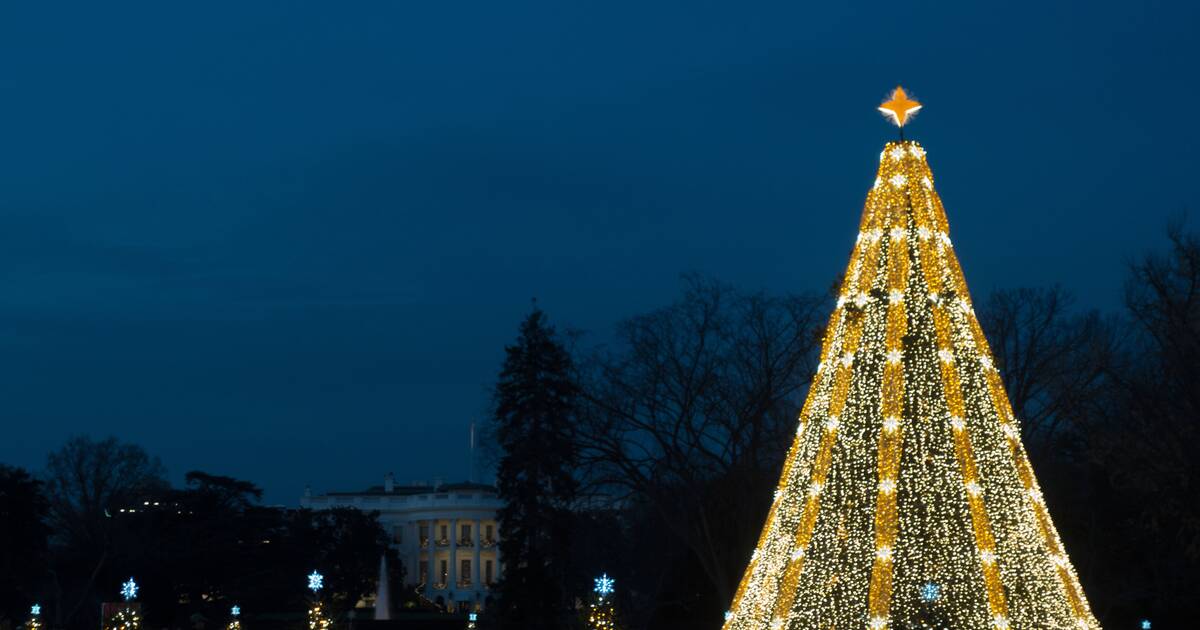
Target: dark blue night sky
287,241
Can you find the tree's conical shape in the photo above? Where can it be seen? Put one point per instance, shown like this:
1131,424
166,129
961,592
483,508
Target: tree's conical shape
907,499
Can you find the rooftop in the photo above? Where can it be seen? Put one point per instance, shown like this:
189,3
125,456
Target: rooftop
399,490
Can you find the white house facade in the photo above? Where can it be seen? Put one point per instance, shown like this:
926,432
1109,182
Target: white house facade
445,535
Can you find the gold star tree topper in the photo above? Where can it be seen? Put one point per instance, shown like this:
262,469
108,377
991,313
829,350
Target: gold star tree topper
900,108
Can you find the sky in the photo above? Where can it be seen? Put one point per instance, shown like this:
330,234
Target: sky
288,241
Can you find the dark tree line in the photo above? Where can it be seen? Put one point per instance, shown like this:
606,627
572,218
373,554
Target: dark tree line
102,511
678,426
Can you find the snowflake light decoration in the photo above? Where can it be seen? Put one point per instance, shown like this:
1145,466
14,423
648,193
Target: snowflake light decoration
129,590
604,585
931,592
36,609
235,611
315,581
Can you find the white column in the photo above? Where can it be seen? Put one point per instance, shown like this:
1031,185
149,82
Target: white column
476,525
452,580
430,575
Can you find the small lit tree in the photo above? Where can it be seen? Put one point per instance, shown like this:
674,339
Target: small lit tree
317,618
35,618
601,616
126,616
235,618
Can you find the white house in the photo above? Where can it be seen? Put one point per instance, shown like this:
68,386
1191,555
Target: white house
445,534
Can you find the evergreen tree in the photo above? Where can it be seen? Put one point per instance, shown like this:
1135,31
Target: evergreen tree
907,499
24,534
601,615
534,412
35,618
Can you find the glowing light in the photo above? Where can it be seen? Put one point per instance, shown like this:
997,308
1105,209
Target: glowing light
889,364
129,590
316,581
36,609
930,592
898,180
235,611
604,585
1145,624
900,108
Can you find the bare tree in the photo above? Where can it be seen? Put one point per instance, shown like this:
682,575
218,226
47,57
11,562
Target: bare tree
693,409
1152,434
85,479
1053,360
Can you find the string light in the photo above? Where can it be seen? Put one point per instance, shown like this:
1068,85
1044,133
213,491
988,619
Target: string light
126,618
907,462
601,615
35,618
129,590
317,620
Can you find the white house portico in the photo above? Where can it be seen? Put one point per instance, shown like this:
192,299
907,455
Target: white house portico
445,535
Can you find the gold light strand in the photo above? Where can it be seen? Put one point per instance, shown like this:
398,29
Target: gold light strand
891,408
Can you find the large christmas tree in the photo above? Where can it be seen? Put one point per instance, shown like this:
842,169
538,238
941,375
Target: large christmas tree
907,499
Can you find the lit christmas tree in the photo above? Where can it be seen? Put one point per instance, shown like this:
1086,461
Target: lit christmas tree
907,499
127,615
235,618
317,619
35,618
600,616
